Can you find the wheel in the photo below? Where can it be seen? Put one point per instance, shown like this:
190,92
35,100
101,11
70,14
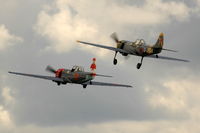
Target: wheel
58,83
115,61
84,86
139,65
156,56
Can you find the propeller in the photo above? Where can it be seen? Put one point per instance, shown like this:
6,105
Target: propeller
50,69
115,37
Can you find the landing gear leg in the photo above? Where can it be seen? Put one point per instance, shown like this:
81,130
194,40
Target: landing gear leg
115,60
140,64
84,86
58,83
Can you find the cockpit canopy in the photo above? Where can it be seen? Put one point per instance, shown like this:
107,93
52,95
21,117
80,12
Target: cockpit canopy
77,69
140,42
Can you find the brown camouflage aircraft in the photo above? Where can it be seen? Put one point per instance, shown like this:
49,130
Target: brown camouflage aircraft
137,48
76,75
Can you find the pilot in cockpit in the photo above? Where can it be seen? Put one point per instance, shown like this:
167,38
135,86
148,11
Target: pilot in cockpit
139,42
73,68
77,68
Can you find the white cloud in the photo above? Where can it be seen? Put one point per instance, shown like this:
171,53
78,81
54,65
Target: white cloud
5,119
62,28
197,9
6,122
151,13
119,127
7,39
173,99
177,95
65,21
6,94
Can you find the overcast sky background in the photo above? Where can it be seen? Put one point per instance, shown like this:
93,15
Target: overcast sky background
34,34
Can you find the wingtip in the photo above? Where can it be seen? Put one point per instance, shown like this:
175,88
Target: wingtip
78,41
174,51
185,60
107,76
11,72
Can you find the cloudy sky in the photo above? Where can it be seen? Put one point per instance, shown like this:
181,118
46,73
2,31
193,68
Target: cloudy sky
35,33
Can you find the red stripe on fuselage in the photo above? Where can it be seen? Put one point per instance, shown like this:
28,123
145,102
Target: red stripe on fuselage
93,74
76,76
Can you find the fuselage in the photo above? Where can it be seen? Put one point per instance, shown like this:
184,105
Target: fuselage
75,76
138,48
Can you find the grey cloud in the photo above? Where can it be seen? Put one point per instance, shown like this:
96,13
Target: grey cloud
43,103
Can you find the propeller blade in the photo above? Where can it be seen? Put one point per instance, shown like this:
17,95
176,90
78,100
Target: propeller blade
50,69
114,37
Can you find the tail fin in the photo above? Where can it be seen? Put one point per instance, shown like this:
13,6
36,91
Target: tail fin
93,65
160,41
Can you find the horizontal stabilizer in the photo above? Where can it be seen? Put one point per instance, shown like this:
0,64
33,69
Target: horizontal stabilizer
169,50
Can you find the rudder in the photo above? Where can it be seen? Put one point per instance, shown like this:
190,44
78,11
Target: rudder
93,67
160,41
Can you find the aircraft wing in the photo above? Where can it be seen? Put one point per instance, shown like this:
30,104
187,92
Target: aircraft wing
108,76
95,74
105,47
105,84
167,58
39,76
